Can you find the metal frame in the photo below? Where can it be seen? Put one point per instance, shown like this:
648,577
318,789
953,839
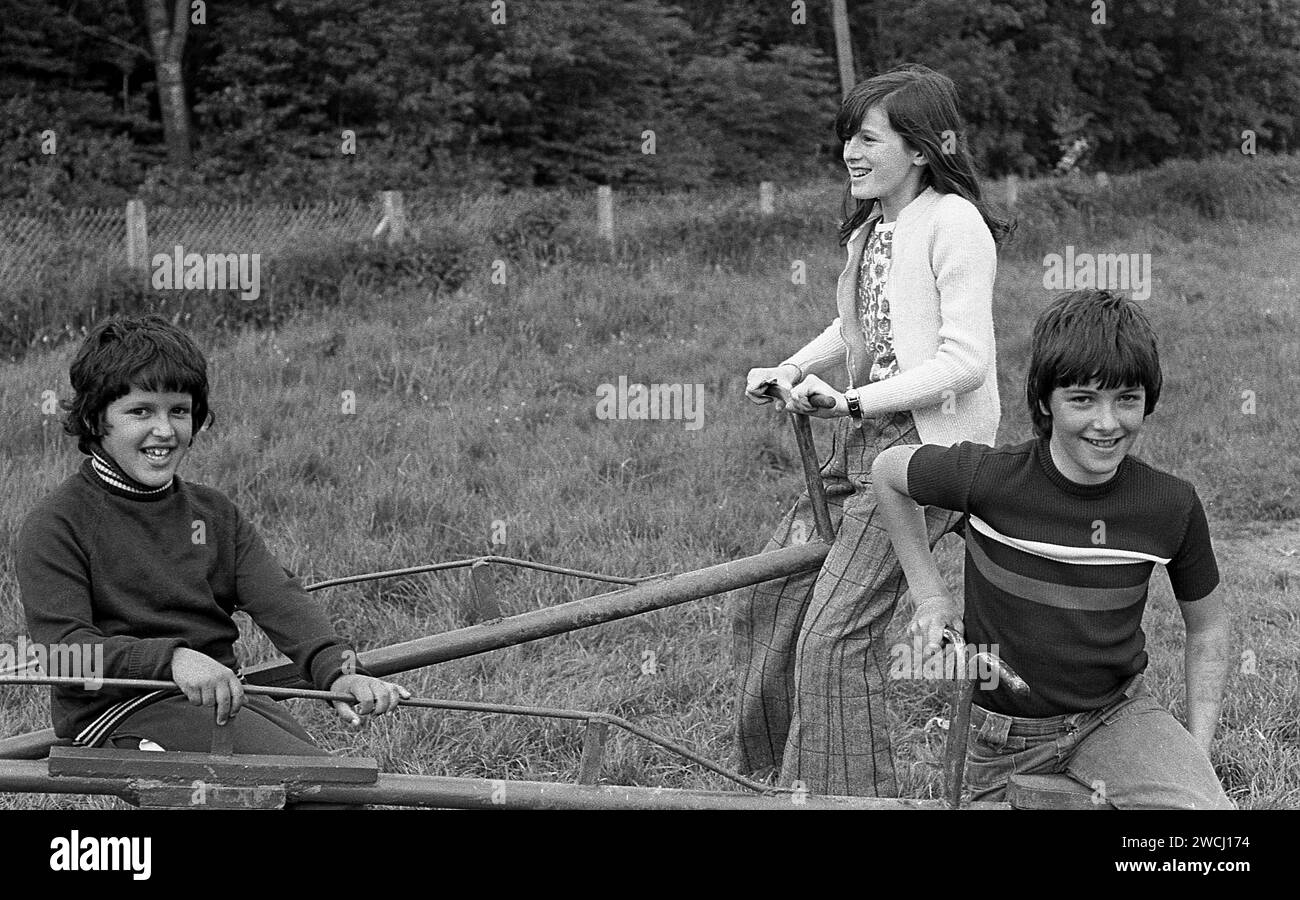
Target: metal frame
228,787
168,780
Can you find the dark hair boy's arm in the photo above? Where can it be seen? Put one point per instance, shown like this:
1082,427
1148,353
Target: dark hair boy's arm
1194,575
1206,657
905,521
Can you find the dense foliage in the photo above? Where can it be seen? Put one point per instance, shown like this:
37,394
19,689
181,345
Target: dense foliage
458,94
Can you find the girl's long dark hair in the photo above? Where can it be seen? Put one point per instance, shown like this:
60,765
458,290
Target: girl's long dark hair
922,107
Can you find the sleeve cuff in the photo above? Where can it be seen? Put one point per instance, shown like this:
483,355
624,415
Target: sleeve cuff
151,658
332,661
921,478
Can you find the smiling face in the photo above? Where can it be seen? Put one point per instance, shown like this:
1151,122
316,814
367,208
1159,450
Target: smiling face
1094,429
881,165
148,433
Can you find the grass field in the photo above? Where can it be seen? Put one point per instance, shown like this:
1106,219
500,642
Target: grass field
477,406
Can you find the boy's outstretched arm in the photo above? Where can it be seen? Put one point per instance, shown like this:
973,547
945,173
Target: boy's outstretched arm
299,628
1206,657
905,521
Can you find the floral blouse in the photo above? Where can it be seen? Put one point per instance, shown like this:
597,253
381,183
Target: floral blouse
873,307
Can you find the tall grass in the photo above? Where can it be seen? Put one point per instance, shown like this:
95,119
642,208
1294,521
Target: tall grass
475,405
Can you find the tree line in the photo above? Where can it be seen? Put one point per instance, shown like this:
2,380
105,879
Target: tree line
240,99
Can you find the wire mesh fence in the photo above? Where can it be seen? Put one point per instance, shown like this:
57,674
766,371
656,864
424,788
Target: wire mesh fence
91,238
88,240
32,245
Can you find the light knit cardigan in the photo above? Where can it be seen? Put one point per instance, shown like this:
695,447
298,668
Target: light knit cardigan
940,293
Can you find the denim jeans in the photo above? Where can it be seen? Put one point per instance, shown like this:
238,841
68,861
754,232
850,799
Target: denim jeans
1133,754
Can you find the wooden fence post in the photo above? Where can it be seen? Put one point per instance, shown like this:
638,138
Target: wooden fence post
484,590
766,198
392,227
593,751
137,236
605,212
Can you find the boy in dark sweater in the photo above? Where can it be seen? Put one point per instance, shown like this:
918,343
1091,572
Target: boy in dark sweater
1062,535
126,557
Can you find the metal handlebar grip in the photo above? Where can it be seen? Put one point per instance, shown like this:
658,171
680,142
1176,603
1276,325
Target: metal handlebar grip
811,469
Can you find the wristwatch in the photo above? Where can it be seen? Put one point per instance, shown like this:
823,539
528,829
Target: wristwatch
855,406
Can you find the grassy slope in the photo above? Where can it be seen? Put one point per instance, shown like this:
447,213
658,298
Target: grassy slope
479,407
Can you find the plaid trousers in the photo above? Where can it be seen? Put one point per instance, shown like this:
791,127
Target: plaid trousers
810,649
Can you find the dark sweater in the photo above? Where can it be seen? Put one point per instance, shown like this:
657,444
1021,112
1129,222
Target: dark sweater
145,575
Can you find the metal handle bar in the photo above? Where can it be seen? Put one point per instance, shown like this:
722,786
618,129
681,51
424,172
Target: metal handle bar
808,455
954,762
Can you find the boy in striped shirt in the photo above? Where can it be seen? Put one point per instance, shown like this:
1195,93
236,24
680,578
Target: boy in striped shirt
1062,534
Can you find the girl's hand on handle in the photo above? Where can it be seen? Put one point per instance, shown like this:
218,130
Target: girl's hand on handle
814,397
207,682
760,379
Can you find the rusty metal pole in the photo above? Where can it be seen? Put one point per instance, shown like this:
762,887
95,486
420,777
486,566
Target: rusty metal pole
480,793
571,616
963,692
577,614
33,745
33,776
812,470
813,477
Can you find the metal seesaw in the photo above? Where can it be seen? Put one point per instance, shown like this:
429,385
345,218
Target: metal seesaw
38,763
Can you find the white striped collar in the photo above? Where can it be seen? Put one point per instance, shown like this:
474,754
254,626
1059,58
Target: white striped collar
112,475
1100,555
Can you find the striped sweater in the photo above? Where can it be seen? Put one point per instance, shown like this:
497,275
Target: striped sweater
1057,572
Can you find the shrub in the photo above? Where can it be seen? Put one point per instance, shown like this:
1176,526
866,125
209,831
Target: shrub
60,306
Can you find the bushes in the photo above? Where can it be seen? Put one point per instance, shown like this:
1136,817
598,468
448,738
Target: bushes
1215,189
1176,197
731,237
62,304
540,230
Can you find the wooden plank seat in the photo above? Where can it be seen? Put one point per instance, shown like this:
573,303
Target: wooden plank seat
236,769
183,780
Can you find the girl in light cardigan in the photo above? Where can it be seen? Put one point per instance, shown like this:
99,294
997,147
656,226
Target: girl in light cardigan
914,341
